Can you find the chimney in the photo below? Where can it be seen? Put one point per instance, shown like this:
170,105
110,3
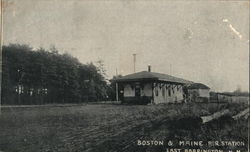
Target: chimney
149,68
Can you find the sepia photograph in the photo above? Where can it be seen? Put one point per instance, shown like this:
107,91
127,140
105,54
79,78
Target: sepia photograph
124,76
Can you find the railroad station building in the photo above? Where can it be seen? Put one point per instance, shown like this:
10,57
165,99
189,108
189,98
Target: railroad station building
150,87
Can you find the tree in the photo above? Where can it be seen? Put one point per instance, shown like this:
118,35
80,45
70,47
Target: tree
44,76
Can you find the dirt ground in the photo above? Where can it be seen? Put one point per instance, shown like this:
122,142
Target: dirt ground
107,127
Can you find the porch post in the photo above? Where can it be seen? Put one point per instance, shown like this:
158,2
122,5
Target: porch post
116,88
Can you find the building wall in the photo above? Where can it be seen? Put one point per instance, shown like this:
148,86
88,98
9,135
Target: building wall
162,92
167,93
146,90
198,95
203,93
129,91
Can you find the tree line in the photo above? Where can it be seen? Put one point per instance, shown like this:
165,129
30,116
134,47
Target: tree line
39,76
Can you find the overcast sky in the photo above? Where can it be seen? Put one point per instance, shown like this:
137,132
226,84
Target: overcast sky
203,41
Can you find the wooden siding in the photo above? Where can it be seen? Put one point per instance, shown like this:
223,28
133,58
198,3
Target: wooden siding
167,93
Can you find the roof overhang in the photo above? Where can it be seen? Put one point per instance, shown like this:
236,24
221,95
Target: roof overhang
146,80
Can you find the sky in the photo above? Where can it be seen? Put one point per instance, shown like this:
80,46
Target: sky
201,41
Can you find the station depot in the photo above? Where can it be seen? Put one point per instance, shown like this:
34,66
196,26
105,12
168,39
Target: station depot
147,87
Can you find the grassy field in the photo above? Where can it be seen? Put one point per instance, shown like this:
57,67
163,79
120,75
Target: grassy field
109,127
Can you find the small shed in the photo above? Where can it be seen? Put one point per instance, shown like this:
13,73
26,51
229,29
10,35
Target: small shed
198,92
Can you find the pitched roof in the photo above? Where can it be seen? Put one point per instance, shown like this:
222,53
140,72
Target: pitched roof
198,86
145,75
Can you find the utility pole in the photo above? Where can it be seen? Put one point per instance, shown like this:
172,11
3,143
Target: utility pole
116,86
134,55
170,69
1,58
